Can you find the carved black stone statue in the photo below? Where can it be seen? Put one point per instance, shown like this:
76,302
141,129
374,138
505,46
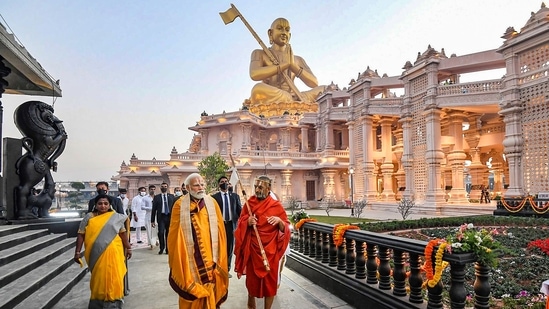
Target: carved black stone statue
44,138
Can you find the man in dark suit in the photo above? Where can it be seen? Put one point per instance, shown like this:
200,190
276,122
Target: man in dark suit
230,208
102,187
161,211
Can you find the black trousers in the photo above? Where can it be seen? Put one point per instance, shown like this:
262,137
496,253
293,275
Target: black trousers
163,228
229,231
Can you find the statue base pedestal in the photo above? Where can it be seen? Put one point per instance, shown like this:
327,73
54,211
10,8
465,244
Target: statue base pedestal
280,109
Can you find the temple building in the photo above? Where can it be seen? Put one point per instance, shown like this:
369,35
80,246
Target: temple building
437,143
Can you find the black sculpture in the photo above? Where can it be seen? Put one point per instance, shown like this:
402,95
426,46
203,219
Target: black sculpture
44,138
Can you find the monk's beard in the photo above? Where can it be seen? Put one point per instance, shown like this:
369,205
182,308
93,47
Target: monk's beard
197,195
261,195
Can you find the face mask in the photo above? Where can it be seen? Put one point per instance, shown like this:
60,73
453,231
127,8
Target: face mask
178,193
184,192
143,193
163,190
123,195
151,192
223,186
101,191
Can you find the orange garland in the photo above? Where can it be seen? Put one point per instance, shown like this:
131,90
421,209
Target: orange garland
434,276
300,223
339,232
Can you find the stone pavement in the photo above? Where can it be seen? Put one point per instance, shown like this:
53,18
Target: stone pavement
149,272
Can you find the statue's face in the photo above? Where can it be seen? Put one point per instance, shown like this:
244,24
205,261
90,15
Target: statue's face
262,189
280,32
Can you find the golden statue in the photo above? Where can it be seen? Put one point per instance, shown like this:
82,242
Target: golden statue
273,87
277,67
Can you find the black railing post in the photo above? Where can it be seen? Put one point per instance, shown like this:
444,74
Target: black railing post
360,260
482,286
458,294
384,268
371,263
325,248
319,241
415,280
399,273
333,251
306,241
435,296
341,254
350,256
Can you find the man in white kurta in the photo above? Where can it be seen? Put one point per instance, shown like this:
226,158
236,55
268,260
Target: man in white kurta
138,219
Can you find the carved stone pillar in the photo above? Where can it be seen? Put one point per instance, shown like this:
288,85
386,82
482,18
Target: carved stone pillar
387,167
285,138
318,138
304,139
329,185
329,135
175,181
433,157
513,144
246,181
246,136
204,140
456,160
286,185
370,181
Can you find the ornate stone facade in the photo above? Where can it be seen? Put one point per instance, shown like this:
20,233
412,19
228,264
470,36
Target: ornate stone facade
437,143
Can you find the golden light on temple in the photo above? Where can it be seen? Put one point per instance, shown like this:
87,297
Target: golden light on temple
222,120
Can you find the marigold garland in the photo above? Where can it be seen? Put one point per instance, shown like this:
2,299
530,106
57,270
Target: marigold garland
300,223
339,232
433,277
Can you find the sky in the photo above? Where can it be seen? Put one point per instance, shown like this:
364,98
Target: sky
135,75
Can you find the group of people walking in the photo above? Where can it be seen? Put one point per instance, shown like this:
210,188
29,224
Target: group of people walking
199,233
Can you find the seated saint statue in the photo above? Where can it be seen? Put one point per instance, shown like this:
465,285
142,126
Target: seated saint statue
273,87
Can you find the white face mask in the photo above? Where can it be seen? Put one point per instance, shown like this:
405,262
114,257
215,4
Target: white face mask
123,195
143,193
178,193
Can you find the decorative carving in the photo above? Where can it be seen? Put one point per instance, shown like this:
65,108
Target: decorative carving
44,139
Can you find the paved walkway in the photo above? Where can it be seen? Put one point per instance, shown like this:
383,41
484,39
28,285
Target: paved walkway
149,274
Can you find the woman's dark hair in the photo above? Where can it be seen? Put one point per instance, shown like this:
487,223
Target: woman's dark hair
100,196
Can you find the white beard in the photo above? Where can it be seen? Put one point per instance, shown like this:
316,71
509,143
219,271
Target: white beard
197,195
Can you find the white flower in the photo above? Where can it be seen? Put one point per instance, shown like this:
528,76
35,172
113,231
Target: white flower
470,226
456,245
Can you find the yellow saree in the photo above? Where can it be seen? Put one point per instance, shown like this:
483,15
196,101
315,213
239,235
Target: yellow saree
105,256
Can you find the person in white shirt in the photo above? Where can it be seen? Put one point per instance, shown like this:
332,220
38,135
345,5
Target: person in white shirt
138,214
125,200
146,205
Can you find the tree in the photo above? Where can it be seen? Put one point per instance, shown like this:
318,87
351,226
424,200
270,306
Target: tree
211,168
75,196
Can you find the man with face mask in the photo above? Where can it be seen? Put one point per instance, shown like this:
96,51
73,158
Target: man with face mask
102,187
161,210
272,223
138,214
230,209
197,246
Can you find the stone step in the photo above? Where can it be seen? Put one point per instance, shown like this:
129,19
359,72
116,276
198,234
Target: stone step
11,229
21,288
39,241
36,253
12,240
51,293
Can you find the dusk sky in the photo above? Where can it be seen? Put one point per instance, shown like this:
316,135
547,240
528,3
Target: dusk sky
136,74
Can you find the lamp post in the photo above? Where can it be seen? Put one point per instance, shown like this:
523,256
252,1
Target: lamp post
351,173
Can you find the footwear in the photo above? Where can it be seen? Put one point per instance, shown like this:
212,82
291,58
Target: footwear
160,252
151,247
166,251
140,242
230,276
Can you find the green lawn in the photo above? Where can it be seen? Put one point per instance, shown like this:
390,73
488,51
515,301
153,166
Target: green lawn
336,220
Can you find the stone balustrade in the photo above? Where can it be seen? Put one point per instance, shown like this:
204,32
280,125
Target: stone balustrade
371,267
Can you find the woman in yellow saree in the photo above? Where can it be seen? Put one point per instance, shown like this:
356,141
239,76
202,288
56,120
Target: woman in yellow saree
103,234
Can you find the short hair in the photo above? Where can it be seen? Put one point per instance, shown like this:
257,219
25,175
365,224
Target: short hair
164,183
106,184
264,178
139,189
191,177
222,177
152,186
122,190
